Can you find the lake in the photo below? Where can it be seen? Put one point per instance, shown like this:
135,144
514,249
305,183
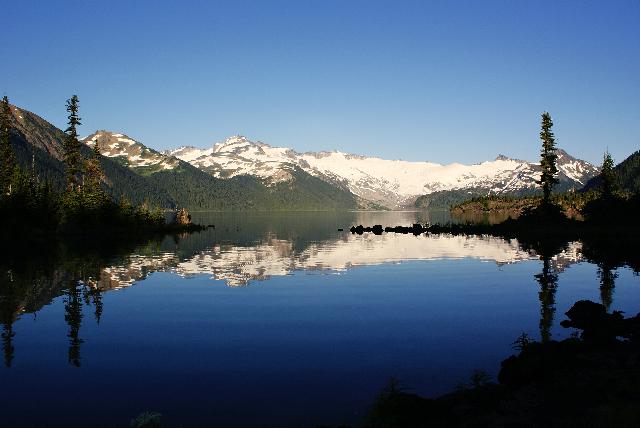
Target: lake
277,319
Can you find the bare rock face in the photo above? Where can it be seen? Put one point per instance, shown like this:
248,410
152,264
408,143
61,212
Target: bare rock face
183,217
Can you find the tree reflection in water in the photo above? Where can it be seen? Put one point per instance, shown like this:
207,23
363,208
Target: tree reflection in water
7,342
607,278
548,281
7,315
81,277
96,301
73,317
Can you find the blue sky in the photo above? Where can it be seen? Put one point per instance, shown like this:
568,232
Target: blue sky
428,80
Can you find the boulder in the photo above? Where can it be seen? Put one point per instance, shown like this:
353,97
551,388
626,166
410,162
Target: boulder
182,217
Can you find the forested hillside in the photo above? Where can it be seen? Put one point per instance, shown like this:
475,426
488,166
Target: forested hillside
626,175
190,187
446,199
38,142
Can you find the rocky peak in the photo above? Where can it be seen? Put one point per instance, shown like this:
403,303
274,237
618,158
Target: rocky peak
133,153
386,182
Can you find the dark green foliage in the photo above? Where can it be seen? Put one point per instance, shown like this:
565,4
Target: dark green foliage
548,158
445,199
189,187
86,210
501,206
93,169
94,175
147,420
121,182
614,206
34,207
606,176
72,157
614,211
308,192
183,186
33,136
626,176
627,173
7,155
29,203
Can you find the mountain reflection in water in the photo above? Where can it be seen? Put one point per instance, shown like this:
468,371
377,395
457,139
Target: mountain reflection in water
410,317
239,265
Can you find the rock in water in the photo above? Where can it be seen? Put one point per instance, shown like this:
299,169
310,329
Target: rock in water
183,217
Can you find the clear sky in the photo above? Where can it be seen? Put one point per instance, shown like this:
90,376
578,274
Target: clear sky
443,81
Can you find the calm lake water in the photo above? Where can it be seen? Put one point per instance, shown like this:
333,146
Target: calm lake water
277,320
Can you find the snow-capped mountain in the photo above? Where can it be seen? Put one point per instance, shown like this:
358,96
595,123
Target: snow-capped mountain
130,152
393,183
390,183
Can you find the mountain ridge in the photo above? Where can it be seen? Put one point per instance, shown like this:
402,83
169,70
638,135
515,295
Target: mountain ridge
392,183
141,174
238,173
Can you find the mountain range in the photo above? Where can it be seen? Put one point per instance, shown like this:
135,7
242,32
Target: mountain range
242,174
138,173
388,183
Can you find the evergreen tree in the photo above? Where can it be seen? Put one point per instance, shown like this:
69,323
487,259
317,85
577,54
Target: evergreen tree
607,176
34,180
7,156
72,155
94,176
548,158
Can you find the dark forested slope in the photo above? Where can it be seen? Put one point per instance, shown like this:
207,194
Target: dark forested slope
626,175
38,142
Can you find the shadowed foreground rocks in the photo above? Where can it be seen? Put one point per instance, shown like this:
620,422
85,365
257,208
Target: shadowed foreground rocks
590,380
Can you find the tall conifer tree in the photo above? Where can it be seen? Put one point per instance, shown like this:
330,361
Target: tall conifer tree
7,156
606,175
548,158
72,156
94,175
